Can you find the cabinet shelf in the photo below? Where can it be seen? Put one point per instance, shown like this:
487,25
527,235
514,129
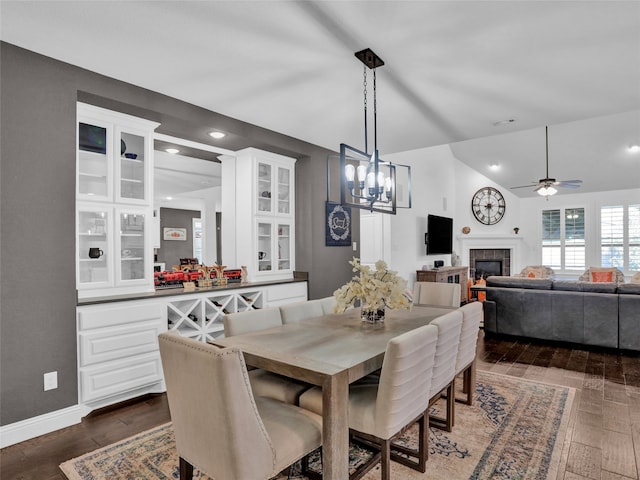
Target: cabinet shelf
132,180
132,160
92,175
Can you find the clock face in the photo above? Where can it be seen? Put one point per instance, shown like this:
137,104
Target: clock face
488,206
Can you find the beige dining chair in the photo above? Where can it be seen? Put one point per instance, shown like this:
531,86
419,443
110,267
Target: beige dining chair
264,383
296,311
433,293
328,304
472,315
379,413
444,369
220,427
251,320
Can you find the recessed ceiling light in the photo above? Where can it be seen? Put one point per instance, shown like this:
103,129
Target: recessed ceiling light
504,122
634,148
494,166
172,150
168,198
217,135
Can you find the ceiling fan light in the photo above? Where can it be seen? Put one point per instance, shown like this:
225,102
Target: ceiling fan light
547,191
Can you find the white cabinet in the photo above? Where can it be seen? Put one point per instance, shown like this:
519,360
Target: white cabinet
114,248
263,227
118,356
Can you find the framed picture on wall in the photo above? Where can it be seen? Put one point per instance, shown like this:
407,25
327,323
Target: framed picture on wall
337,225
170,233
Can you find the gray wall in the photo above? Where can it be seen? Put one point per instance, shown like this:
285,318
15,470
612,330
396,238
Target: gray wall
171,251
37,212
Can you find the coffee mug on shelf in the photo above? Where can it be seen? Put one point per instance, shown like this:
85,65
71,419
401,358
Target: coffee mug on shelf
261,255
95,252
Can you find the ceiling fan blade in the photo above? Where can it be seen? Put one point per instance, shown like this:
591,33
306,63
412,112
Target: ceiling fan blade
560,182
525,186
568,185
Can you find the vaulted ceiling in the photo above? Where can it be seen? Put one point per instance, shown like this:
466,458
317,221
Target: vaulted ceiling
453,69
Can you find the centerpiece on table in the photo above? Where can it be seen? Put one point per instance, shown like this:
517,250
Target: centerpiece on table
375,289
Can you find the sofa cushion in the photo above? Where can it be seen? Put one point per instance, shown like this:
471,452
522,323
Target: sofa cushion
536,271
537,283
635,278
503,281
617,275
629,288
604,276
598,287
566,285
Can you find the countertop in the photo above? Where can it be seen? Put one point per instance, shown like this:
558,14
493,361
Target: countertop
168,292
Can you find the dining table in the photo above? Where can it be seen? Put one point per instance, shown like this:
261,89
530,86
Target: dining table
330,351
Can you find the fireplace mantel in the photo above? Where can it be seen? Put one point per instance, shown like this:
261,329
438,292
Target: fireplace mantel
480,241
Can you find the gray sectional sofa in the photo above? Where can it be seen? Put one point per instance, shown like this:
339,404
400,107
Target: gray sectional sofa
599,314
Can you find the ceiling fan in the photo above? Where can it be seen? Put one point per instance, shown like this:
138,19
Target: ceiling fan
547,186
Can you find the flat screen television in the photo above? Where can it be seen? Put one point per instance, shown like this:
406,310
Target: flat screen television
439,236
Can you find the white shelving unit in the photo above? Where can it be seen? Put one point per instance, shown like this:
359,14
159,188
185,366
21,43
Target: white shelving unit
114,213
263,229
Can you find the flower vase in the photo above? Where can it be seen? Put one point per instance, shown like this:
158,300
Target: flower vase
372,315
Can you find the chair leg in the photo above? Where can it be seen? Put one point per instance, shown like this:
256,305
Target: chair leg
468,384
186,470
385,460
447,422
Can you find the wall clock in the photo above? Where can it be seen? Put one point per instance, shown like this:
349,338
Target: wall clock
488,206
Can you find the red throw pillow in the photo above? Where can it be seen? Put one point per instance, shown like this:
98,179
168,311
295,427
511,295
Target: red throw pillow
602,276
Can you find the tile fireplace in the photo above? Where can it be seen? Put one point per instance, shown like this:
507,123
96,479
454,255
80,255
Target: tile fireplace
484,262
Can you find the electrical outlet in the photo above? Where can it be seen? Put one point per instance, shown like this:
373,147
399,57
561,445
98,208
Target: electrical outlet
50,381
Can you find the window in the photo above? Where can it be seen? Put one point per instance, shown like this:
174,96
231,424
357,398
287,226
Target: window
563,241
620,236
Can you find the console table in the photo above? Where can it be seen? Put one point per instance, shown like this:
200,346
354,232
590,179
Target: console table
447,275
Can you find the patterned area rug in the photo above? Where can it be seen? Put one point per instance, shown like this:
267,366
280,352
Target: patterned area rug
514,430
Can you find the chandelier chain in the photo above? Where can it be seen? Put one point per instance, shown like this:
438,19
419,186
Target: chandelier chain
364,84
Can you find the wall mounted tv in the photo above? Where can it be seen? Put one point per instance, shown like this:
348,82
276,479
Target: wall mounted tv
439,236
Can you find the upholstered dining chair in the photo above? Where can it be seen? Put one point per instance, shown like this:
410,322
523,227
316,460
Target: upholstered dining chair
296,311
472,315
434,293
264,383
444,368
251,321
378,413
327,304
219,426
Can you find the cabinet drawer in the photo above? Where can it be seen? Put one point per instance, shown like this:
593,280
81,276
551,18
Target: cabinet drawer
103,381
291,292
107,344
117,314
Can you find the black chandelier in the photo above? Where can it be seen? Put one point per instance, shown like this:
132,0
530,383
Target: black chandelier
368,182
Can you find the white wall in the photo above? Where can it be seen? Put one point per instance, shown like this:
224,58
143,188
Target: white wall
433,190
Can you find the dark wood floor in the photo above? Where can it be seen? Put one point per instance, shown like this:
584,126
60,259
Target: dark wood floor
603,442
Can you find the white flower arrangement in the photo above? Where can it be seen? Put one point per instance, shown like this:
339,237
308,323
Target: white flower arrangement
375,289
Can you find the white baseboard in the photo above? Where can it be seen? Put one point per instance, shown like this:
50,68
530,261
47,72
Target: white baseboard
33,427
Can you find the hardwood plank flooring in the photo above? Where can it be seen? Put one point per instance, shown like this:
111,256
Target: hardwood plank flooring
603,440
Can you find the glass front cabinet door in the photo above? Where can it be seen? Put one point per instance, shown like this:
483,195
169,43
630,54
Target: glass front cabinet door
274,254
114,204
94,248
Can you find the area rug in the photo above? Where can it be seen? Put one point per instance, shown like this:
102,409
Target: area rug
514,430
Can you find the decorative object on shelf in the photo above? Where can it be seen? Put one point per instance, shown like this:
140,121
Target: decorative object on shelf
95,252
455,259
375,290
377,185
338,225
220,278
488,205
189,286
174,234
243,278
516,230
131,156
466,230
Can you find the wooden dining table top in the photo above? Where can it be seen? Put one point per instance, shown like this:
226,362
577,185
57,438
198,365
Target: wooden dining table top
330,343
